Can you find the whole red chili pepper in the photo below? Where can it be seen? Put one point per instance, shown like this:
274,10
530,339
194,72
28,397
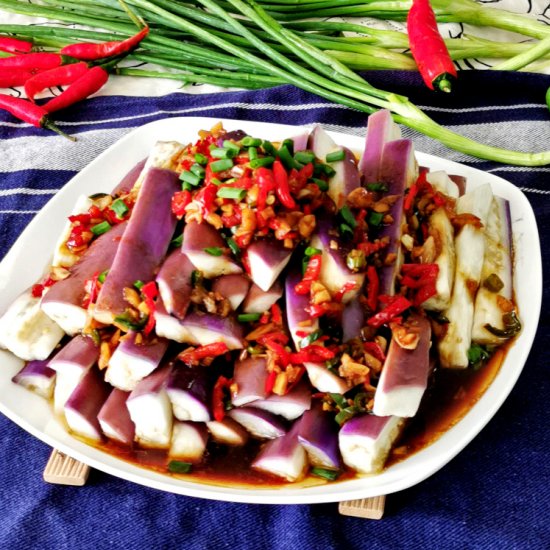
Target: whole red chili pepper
90,82
88,51
60,76
312,273
395,306
218,407
282,188
36,61
13,45
10,77
428,47
31,113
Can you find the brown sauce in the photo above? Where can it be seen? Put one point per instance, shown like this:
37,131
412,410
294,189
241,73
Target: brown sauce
449,397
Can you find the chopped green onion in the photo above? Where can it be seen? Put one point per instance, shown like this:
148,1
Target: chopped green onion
375,218
326,169
512,326
345,230
232,146
252,153
348,217
126,321
377,186
304,157
221,165
321,184
251,142
222,153
339,399
345,414
102,276
248,317
269,148
186,186
177,242
189,177
201,159
214,250
233,246
119,208
216,181
236,193
310,338
139,284
335,156
331,475
289,144
477,355
196,277
198,170
312,251
287,159
264,161
179,467
100,228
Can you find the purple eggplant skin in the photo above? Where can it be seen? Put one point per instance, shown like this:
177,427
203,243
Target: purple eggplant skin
460,183
233,287
353,320
189,441
208,329
37,376
404,377
127,182
228,432
366,440
115,420
259,301
334,271
189,390
133,361
321,143
267,259
300,141
283,457
233,135
290,406
380,130
143,245
398,171
249,376
260,424
318,434
170,327
296,309
83,406
174,283
63,301
197,239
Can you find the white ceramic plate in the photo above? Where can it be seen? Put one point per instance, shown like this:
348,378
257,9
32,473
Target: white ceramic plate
26,261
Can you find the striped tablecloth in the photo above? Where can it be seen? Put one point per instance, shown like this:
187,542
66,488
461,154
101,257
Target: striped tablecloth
495,492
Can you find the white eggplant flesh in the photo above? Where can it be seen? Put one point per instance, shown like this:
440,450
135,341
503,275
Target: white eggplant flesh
83,406
320,143
498,261
470,249
290,406
441,229
266,260
365,441
37,377
283,457
114,418
259,301
27,331
62,256
249,377
188,442
324,380
172,328
260,424
210,329
174,283
441,182
404,377
132,361
151,411
228,432
164,154
190,390
233,287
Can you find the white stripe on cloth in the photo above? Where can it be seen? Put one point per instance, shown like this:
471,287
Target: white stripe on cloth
27,191
19,211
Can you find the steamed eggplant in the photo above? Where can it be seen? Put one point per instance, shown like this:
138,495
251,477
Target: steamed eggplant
189,391
114,418
38,377
174,283
267,259
188,441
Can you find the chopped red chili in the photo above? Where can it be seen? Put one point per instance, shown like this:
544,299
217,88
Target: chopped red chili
423,278
179,201
346,287
373,287
202,352
394,306
311,275
282,188
266,183
218,397
270,382
276,314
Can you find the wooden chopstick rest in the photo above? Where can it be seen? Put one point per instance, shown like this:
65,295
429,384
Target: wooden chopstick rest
62,469
368,508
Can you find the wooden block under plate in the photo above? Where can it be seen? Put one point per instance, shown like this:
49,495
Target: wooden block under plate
368,508
65,470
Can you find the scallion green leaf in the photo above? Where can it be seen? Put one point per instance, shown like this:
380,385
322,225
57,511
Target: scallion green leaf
347,216
377,186
233,246
198,170
331,475
179,467
304,157
336,156
269,148
100,228
235,193
102,276
310,338
177,242
231,145
201,159
248,317
263,161
120,208
189,177
221,165
251,142
321,184
138,284
214,250
252,153
287,159
312,251
375,218
223,153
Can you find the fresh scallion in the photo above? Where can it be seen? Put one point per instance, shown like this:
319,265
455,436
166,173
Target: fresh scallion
321,184
223,153
102,276
347,216
304,157
221,165
269,148
252,153
196,277
214,250
201,159
120,208
100,228
336,156
312,251
235,193
248,317
310,338
232,146
234,247
377,186
331,475
263,161
177,241
251,142
287,159
179,467
138,284
190,178
198,170
375,218
129,323
346,231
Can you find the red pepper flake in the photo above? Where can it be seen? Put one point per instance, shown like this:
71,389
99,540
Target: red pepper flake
373,287
150,292
394,306
37,290
311,275
276,314
423,278
179,201
270,382
318,310
192,356
375,350
218,397
346,287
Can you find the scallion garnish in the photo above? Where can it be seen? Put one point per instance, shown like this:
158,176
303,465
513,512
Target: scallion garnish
311,251
196,277
321,184
120,208
201,159
189,177
179,467
252,153
128,322
102,276
251,142
227,144
221,165
259,162
335,156
248,317
377,186
233,246
320,169
304,157
310,338
269,148
331,475
223,153
177,242
198,170
100,228
345,230
214,250
287,159
347,216
235,193
375,218
138,284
